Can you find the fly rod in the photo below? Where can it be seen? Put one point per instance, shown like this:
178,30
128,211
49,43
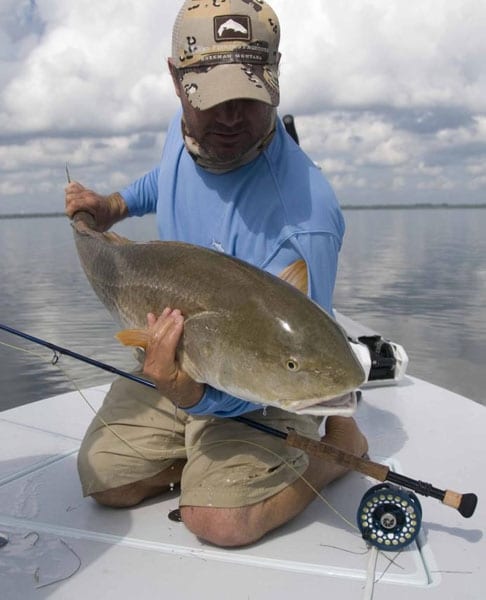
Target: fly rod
464,503
86,359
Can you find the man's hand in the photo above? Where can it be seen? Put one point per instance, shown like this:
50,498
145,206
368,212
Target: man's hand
161,363
106,210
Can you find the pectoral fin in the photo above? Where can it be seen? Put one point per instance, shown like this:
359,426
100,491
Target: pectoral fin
296,275
133,337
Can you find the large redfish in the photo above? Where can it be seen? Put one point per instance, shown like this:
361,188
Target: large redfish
246,332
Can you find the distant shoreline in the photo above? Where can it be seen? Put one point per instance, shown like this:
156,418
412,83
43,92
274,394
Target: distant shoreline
32,215
408,206
38,215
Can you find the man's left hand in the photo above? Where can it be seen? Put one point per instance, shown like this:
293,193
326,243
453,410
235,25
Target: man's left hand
161,363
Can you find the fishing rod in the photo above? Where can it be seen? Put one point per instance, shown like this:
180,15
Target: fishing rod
464,503
58,350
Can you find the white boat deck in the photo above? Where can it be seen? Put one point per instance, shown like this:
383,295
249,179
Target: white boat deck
62,546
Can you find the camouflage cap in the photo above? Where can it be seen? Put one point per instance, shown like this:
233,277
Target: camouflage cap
227,49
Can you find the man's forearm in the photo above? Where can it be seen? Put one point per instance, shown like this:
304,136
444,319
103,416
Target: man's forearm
117,209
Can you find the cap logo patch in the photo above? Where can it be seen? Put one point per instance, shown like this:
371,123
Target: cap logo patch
232,27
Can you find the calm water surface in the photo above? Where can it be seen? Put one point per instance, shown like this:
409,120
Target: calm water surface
416,276
419,278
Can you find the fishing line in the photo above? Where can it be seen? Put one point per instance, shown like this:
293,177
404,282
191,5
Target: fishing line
292,468
55,363
371,574
66,577
464,503
139,450
371,571
20,349
37,571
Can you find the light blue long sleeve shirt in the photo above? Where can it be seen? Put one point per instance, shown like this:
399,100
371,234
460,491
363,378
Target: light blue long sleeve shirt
271,212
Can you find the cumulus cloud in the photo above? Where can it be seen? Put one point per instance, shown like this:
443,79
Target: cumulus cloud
392,54
389,97
97,69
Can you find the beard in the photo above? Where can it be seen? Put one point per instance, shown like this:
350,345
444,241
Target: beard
223,155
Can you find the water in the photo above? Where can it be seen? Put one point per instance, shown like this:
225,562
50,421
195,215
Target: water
45,293
416,276
419,278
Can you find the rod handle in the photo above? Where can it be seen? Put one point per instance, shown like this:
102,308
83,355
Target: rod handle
345,459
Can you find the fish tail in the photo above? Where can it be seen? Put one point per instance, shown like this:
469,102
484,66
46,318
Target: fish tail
84,224
133,337
116,239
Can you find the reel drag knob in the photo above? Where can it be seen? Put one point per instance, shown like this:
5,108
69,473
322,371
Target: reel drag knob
389,517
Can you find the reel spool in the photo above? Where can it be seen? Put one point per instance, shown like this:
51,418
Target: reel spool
389,517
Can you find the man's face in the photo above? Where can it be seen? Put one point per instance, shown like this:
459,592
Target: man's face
228,130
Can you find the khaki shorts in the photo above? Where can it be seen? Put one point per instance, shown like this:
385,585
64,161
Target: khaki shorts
137,434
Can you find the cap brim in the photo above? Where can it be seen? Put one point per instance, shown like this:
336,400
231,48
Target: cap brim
220,83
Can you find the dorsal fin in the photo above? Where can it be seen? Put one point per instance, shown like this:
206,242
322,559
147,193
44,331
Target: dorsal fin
133,337
296,275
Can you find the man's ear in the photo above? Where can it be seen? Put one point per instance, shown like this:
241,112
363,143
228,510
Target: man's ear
175,76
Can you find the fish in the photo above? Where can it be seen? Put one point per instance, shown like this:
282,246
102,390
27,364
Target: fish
232,26
246,332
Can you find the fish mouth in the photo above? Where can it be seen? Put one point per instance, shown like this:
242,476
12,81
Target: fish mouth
344,405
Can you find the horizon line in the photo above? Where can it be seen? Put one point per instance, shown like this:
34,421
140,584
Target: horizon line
415,206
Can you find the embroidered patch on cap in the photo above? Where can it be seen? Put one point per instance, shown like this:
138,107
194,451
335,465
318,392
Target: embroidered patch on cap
232,27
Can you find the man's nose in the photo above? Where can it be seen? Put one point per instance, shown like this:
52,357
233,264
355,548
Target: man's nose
230,112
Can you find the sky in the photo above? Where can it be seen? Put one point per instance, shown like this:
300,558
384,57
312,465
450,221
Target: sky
389,96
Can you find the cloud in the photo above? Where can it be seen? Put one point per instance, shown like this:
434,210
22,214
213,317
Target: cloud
395,54
378,88
95,70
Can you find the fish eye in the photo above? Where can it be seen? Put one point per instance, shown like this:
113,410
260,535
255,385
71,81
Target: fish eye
292,365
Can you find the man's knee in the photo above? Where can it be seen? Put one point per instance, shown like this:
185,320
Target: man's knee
225,527
117,498
96,468
133,493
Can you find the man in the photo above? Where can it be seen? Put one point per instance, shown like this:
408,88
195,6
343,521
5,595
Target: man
230,178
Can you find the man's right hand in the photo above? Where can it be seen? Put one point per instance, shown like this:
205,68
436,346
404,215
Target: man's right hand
106,210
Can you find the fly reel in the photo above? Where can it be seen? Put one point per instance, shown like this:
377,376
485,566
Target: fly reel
389,517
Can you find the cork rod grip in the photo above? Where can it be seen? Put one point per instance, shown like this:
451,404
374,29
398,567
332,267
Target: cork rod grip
345,459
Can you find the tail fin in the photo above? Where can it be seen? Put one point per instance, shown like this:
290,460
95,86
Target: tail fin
133,337
84,224
115,238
